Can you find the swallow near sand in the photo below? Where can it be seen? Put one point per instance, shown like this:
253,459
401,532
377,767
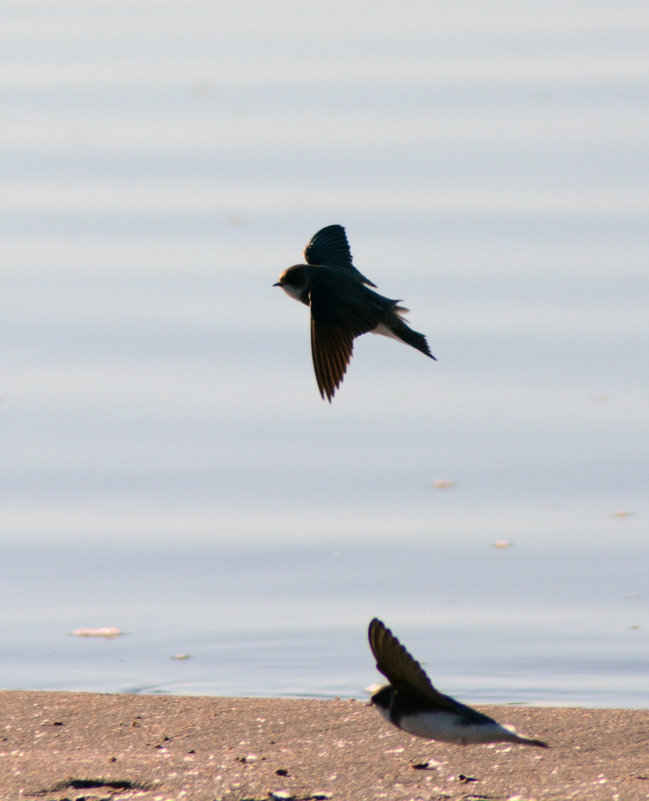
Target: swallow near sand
342,307
411,702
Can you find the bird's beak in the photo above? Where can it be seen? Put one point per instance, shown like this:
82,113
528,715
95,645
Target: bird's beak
277,284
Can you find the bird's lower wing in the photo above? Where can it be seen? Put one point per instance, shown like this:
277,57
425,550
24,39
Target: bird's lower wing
332,336
331,350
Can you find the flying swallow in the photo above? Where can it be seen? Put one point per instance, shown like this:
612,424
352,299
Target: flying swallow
342,306
411,702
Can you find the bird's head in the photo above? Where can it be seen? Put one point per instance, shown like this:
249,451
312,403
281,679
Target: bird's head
295,282
382,698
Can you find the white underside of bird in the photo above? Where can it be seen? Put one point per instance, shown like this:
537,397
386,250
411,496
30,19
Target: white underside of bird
449,728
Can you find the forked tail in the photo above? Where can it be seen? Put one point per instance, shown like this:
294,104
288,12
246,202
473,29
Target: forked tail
411,337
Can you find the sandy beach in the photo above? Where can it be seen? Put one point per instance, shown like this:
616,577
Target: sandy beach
56,746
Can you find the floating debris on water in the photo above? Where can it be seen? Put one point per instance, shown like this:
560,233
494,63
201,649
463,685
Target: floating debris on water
180,656
444,483
502,545
622,514
108,632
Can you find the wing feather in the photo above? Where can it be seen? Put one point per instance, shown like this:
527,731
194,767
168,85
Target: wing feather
404,673
331,351
332,335
329,246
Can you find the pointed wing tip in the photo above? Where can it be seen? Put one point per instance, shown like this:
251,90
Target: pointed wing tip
326,391
331,352
375,624
377,634
529,741
374,631
523,739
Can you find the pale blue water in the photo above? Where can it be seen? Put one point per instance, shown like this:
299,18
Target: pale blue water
168,466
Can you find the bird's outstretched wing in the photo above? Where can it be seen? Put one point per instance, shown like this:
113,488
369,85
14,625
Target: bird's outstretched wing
404,673
333,330
331,248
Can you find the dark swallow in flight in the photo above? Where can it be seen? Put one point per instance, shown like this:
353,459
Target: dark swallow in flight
342,306
411,702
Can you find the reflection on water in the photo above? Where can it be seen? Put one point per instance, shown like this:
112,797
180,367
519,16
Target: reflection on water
168,466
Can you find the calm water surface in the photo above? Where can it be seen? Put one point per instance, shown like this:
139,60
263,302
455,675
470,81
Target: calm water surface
168,466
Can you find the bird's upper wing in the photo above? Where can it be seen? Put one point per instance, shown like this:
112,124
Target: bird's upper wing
334,326
330,246
404,673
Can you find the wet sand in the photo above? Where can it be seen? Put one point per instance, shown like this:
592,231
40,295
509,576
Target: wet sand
56,746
